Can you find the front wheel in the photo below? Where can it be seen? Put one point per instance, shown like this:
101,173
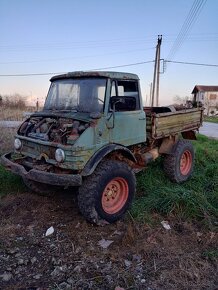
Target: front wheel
108,193
178,166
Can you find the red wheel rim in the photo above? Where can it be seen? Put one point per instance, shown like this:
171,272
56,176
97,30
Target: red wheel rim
115,195
185,162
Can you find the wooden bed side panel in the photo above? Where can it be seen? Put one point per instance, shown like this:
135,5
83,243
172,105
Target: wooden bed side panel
166,124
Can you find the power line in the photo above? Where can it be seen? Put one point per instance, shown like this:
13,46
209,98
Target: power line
201,37
184,28
192,63
32,74
73,46
187,25
79,57
110,67
124,65
85,42
54,73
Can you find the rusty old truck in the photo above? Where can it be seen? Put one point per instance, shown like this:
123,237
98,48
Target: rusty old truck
94,134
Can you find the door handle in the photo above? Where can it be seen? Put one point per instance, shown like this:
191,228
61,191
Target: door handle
142,118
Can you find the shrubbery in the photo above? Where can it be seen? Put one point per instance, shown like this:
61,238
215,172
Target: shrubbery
13,101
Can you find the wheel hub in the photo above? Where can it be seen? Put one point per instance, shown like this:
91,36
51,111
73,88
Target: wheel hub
185,162
115,195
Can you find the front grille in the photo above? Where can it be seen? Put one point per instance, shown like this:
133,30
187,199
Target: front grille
34,150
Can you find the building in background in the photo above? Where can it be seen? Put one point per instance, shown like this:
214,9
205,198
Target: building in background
208,97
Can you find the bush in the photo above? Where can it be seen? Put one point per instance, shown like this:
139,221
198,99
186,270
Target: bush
14,101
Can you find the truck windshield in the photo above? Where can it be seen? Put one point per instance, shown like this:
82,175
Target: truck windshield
82,95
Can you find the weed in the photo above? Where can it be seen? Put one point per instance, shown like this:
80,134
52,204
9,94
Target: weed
10,183
196,199
211,254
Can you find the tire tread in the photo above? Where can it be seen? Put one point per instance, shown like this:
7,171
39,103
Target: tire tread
87,192
171,160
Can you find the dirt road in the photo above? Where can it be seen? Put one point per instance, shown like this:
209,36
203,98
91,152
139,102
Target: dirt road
10,124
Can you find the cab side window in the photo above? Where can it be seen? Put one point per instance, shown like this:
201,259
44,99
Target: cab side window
127,97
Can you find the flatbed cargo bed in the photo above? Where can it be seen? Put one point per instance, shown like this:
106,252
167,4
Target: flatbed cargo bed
160,124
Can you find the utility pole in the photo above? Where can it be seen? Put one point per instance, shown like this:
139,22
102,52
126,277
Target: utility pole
150,100
156,77
37,105
158,70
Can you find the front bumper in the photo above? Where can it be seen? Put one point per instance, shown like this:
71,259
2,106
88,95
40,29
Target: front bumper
41,176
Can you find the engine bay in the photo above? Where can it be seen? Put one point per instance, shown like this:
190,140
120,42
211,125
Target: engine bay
53,129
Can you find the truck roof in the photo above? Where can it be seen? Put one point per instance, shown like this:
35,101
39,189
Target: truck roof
104,74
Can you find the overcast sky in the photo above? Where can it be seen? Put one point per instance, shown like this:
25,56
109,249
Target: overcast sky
53,36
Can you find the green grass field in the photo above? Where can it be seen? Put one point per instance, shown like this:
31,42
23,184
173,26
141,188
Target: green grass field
10,183
211,119
196,199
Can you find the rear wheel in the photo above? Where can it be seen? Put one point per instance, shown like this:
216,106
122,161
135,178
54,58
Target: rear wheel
108,193
178,166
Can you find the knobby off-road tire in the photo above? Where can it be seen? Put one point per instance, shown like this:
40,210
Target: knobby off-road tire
41,188
178,166
108,193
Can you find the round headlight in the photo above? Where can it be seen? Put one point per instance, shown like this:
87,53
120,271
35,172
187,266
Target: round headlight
17,144
59,155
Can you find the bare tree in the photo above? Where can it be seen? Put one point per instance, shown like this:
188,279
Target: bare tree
181,100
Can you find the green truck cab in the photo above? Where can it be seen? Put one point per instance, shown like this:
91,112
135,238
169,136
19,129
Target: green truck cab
93,133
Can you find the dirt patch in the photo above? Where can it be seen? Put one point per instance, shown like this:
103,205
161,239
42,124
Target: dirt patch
139,257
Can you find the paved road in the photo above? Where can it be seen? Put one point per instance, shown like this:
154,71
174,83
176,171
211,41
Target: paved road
10,124
209,129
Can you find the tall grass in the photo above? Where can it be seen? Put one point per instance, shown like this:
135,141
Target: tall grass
196,198
12,107
14,114
7,139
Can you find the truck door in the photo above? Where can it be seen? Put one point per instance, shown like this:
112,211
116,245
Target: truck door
127,118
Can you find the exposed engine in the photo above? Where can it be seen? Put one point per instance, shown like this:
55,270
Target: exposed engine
58,130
